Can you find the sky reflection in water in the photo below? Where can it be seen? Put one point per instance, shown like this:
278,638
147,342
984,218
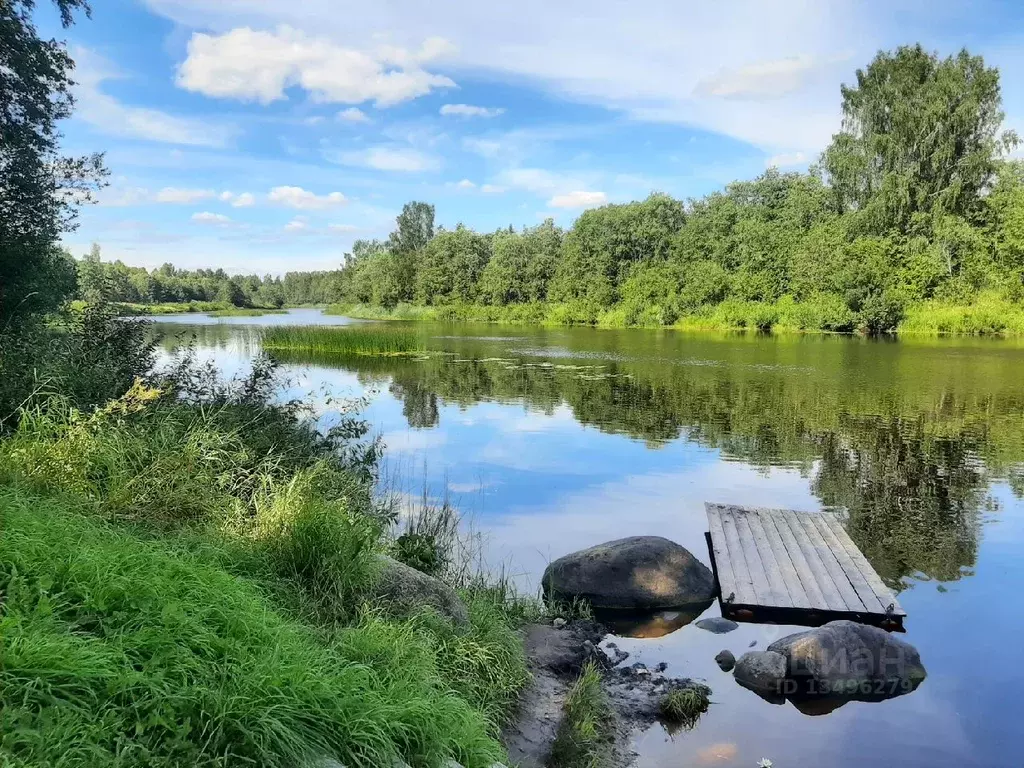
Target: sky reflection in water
553,440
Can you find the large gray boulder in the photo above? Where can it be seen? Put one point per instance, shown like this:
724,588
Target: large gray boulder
844,658
638,573
763,672
407,591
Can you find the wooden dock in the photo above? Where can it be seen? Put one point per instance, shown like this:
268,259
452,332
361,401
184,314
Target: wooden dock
794,567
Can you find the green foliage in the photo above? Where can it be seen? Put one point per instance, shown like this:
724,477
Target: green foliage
450,267
88,357
39,188
351,340
920,135
521,265
911,203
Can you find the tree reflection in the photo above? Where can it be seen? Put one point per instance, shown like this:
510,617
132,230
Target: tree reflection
907,460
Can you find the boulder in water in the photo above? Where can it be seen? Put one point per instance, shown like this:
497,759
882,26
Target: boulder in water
763,672
637,573
844,658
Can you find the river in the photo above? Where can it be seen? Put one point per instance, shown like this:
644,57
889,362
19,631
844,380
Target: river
551,440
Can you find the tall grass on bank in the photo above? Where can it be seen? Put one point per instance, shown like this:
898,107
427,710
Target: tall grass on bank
127,651
988,315
354,340
188,578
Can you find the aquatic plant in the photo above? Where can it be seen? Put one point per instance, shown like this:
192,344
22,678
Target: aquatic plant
684,706
381,340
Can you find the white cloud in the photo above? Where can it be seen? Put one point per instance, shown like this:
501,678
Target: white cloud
465,184
482,147
539,180
113,118
179,196
492,189
254,65
645,58
297,197
342,228
761,80
206,217
122,196
387,159
578,199
786,160
244,200
298,224
353,115
468,110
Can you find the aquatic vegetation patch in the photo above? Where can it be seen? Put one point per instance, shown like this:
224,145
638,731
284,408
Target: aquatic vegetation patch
374,340
684,706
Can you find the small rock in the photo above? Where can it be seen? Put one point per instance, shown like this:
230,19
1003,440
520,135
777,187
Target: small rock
752,643
640,669
761,671
558,623
725,660
718,625
662,666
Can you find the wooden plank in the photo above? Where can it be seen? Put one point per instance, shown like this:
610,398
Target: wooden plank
830,593
720,549
883,593
758,572
811,589
763,524
745,594
773,568
857,581
835,570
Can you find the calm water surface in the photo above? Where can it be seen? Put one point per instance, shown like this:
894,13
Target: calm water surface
555,440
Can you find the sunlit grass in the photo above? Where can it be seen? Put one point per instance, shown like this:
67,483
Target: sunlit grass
988,315
354,340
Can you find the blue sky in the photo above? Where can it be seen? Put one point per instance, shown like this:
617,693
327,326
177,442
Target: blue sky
267,135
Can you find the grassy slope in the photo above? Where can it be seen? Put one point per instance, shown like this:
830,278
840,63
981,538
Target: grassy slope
177,591
987,315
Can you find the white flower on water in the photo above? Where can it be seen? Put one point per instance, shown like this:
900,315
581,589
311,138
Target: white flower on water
764,762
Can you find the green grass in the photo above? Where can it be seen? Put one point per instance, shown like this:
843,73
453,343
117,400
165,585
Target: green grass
684,706
189,584
989,315
243,312
352,340
585,735
120,650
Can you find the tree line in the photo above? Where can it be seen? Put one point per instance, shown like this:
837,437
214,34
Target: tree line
915,199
